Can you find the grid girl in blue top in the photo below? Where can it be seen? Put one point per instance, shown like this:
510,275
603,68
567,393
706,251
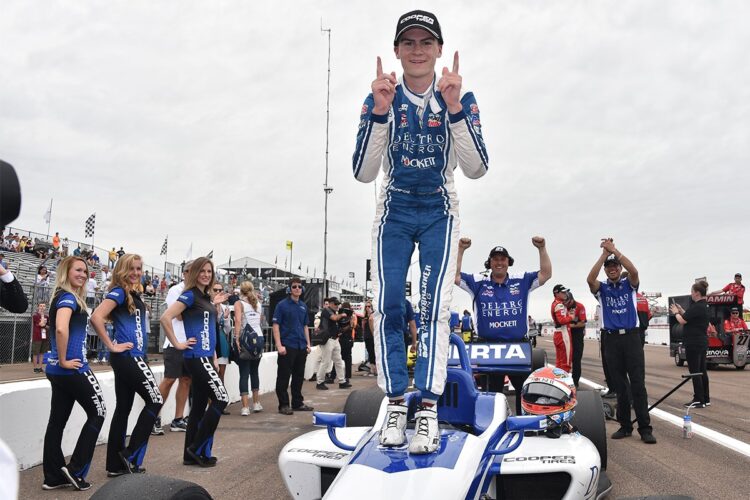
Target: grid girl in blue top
123,305
199,317
72,380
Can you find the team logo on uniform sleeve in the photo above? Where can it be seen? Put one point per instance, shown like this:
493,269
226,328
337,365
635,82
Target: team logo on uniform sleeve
474,109
364,110
433,120
67,302
514,288
183,297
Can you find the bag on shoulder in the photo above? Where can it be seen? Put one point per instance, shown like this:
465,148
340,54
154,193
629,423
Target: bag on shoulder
251,345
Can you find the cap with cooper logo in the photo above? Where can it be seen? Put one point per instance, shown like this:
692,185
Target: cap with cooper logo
418,19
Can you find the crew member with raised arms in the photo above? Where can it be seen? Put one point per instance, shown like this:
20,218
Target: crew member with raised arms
123,305
199,318
417,129
501,301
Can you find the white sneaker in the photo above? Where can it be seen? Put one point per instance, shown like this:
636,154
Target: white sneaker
393,432
257,407
427,436
245,411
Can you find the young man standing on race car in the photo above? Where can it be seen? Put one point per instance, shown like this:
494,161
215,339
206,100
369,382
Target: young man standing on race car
623,348
417,129
501,301
562,338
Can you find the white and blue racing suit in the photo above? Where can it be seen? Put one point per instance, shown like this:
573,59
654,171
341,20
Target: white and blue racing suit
418,145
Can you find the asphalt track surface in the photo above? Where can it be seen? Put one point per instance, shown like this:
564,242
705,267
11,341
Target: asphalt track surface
248,447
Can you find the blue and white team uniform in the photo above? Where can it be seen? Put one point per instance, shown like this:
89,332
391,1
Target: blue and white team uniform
417,145
199,320
132,376
501,309
68,387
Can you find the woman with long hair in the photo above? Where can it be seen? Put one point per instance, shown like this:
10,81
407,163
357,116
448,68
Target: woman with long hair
198,312
71,379
124,307
248,311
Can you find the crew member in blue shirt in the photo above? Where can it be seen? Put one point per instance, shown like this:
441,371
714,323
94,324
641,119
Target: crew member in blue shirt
198,311
292,339
623,348
124,307
71,379
501,301
467,326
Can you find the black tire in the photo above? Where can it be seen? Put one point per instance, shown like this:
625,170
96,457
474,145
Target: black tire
538,359
149,486
362,407
589,419
740,367
678,360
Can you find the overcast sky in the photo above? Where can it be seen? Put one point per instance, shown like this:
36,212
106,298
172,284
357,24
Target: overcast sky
206,121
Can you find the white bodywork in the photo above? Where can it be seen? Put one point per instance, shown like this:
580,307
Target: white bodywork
467,471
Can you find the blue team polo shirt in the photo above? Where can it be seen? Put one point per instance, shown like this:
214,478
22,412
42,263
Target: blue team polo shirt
465,323
76,335
199,320
129,327
500,308
291,316
618,303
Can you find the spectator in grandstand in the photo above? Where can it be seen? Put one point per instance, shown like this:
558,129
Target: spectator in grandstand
77,251
14,243
123,305
695,324
2,261
56,242
149,289
39,336
42,285
292,339
22,244
736,289
146,278
71,379
120,252
248,311
106,277
112,257
65,246
163,285
195,305
91,289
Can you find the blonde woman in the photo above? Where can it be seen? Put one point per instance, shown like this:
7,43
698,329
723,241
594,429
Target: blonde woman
124,307
72,380
198,312
248,311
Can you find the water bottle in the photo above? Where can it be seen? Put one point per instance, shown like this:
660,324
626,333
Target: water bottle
687,427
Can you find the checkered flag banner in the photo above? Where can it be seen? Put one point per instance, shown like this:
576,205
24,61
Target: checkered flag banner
90,224
164,247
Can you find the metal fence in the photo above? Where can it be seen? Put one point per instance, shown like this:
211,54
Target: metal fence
16,329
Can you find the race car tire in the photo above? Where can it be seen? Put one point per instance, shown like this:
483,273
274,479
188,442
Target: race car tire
589,419
678,360
740,367
362,407
538,359
130,486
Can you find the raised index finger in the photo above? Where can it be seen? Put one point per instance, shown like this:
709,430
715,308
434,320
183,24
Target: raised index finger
379,70
455,62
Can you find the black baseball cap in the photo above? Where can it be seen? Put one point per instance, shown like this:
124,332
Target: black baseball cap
501,250
612,260
737,275
735,310
418,19
559,288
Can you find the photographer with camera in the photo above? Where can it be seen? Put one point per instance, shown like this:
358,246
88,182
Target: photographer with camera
331,348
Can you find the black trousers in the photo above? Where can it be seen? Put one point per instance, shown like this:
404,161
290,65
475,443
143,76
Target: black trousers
84,389
370,347
203,421
696,361
291,365
346,353
577,337
605,366
624,355
132,376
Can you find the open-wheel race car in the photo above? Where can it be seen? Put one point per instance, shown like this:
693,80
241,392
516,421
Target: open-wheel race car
724,348
484,453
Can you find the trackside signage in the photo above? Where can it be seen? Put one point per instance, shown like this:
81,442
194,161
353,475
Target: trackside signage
494,354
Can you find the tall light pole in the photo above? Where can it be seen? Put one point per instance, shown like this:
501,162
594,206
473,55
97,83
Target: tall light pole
326,188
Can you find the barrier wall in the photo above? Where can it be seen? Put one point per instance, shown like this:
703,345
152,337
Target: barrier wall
24,406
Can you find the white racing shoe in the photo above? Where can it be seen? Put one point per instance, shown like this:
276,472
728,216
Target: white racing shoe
393,432
427,433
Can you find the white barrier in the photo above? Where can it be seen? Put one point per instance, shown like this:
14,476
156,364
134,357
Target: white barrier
24,406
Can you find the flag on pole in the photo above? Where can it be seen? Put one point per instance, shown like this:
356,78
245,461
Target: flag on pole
230,261
300,266
210,254
164,246
276,261
90,226
48,213
289,245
